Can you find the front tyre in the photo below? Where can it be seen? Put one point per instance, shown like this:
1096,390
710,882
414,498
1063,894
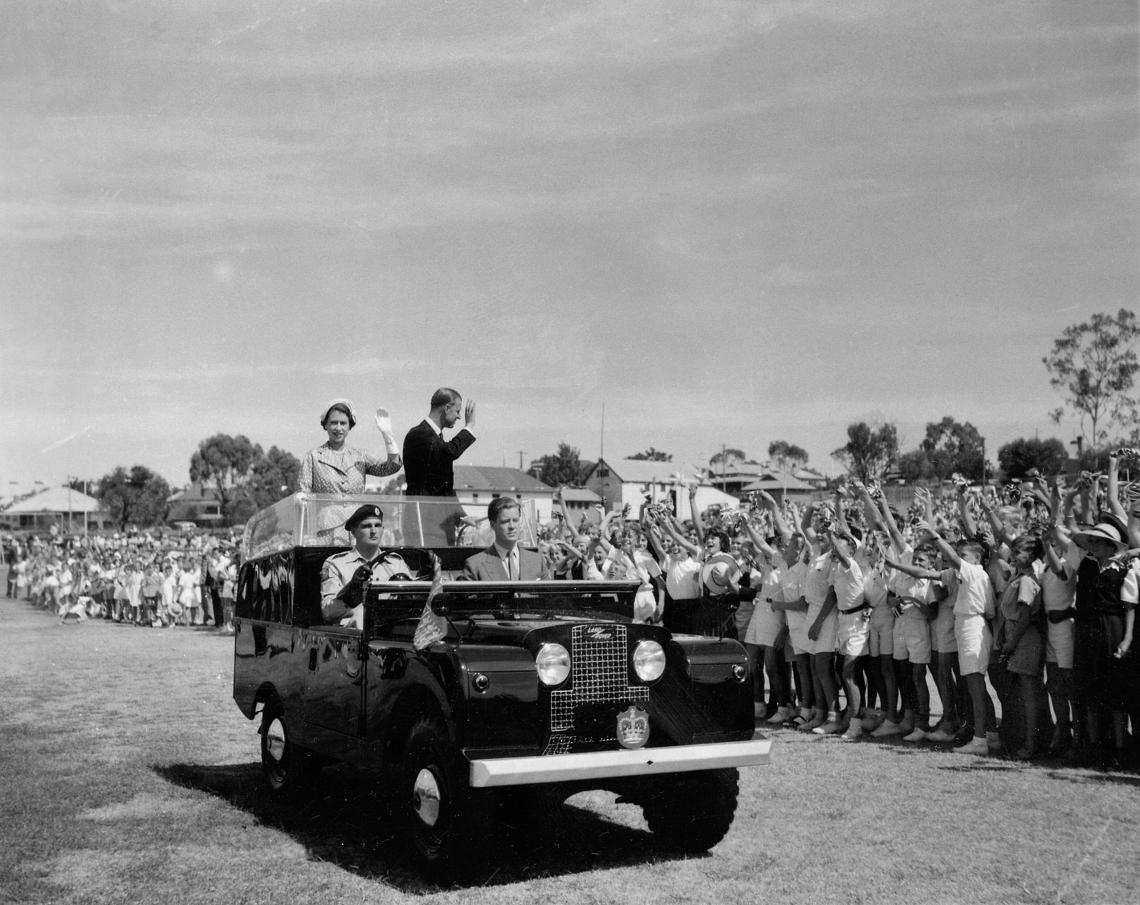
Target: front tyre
288,769
439,808
694,811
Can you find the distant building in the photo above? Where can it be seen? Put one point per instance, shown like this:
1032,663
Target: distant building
62,507
195,503
477,485
740,478
635,482
781,486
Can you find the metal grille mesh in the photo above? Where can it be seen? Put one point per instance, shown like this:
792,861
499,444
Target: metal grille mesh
600,673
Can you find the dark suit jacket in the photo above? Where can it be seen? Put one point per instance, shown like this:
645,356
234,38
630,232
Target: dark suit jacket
428,460
487,566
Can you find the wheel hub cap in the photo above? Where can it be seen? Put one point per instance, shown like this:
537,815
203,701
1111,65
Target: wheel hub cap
275,740
425,797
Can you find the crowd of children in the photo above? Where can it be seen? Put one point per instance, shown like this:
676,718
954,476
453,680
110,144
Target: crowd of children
137,578
854,614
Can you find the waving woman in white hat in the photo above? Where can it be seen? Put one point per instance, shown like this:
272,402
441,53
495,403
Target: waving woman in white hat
336,467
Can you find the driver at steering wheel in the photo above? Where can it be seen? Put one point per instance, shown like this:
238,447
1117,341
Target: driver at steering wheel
344,574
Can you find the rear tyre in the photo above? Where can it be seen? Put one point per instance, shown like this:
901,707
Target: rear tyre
288,769
694,811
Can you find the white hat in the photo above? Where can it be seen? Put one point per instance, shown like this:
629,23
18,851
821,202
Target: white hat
347,404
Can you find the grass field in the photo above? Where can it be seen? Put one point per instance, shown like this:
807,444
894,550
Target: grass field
128,775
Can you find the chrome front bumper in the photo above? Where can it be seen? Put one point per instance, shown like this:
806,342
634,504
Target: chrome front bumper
521,771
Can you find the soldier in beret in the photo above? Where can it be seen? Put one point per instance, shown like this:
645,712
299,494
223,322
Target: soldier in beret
343,574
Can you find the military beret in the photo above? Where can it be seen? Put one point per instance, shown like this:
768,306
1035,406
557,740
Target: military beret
368,510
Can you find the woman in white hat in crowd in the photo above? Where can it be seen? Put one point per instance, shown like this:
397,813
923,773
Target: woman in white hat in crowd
1104,626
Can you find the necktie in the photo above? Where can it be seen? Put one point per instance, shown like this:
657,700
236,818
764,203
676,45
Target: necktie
513,565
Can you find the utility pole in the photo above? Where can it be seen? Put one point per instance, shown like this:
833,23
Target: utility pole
521,453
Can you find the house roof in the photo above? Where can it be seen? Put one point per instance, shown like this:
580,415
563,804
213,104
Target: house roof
644,471
778,482
194,493
579,495
55,499
492,478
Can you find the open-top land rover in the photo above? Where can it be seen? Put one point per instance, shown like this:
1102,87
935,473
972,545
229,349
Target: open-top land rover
534,685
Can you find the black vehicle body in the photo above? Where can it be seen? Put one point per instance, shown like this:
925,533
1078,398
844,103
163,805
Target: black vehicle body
367,697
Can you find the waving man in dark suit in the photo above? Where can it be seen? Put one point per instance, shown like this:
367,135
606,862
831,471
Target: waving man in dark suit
428,457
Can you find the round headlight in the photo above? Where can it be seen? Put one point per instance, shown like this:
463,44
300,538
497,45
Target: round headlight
553,664
648,661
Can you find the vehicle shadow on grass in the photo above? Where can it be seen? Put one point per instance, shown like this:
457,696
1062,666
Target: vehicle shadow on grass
349,823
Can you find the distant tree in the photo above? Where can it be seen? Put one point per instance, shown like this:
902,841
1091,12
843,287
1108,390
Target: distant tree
225,464
653,455
562,467
915,466
135,497
1094,366
951,446
726,458
1018,456
273,477
869,452
787,456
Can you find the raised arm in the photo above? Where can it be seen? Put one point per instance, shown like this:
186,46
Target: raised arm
911,570
679,539
999,529
778,520
565,514
964,514
759,542
949,553
897,542
696,516
1115,506
840,515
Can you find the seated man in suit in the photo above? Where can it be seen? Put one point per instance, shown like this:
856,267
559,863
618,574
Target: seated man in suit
505,560
343,575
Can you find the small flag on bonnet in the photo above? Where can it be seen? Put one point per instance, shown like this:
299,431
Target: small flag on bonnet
431,627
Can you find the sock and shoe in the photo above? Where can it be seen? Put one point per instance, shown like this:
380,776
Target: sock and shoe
833,726
872,719
854,731
973,746
804,716
819,717
887,728
943,733
783,713
906,724
919,733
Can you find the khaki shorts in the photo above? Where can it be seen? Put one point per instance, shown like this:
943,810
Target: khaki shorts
880,638
1059,643
853,630
974,642
912,639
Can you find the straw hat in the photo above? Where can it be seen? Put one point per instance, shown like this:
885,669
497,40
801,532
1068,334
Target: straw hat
716,571
1109,528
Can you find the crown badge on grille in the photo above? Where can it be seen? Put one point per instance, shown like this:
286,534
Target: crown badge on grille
632,727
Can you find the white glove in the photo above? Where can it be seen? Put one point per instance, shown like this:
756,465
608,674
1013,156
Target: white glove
384,423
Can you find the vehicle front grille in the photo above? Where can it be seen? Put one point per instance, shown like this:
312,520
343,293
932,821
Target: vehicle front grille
599,657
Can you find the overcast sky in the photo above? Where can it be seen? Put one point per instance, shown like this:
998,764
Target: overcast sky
731,223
